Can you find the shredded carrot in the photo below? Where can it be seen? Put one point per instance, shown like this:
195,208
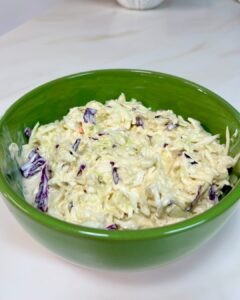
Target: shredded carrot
81,128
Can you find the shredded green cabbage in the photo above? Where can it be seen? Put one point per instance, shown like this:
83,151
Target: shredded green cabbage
124,164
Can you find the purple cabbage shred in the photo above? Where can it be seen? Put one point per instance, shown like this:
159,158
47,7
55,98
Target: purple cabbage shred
41,198
33,165
90,115
115,175
27,132
76,144
139,122
112,227
81,169
170,125
212,194
114,172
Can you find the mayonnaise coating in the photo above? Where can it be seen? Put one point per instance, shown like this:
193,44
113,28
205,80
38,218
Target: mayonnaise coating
122,163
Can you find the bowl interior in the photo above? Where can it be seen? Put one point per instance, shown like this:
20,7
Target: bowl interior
156,90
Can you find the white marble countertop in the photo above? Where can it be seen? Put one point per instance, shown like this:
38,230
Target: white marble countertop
198,40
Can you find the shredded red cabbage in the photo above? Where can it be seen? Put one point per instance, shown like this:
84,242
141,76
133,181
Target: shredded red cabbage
33,165
27,132
41,198
212,194
76,144
112,227
90,115
81,168
114,172
139,122
115,175
170,125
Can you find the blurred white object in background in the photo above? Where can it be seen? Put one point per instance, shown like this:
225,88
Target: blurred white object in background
140,4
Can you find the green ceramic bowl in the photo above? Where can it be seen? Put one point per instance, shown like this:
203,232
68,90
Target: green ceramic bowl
115,249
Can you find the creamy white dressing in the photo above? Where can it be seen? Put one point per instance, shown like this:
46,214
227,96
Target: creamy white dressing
140,168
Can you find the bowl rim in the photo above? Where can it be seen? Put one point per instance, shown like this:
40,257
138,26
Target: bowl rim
124,235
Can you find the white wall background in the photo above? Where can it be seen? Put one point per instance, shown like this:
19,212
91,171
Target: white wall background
16,12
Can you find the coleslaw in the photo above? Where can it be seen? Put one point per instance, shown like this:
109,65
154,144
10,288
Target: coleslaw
120,165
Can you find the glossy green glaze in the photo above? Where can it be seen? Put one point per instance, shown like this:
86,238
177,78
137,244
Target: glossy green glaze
115,249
